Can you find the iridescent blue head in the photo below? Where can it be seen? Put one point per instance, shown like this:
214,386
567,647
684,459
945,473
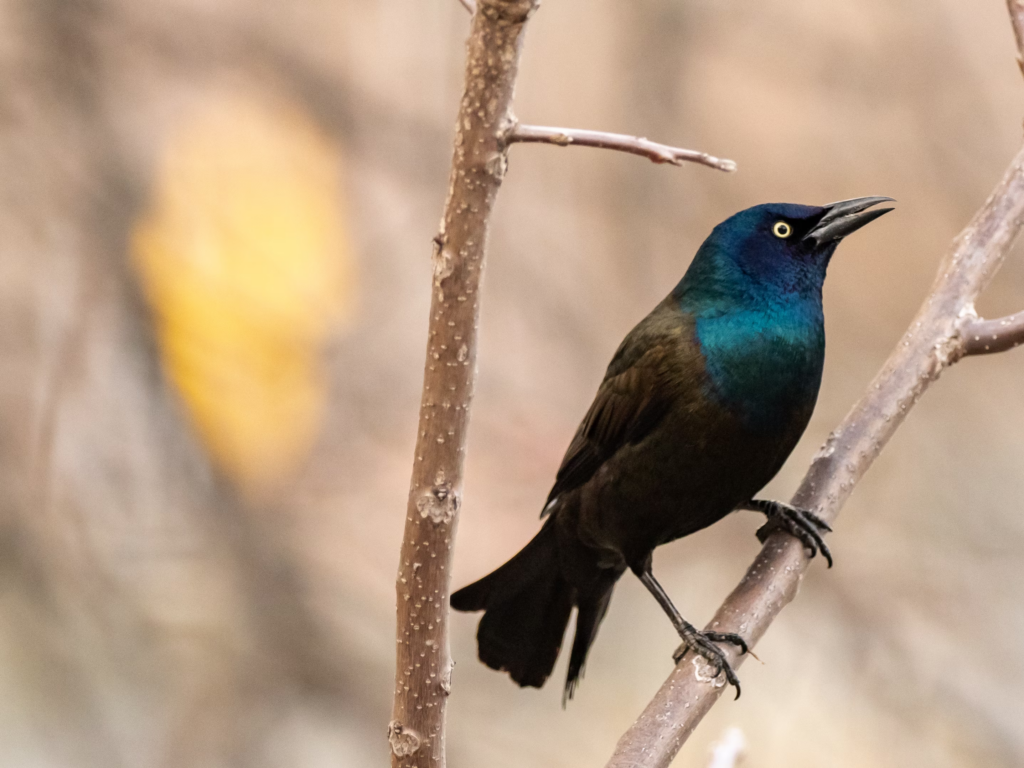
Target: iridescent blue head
769,253
754,291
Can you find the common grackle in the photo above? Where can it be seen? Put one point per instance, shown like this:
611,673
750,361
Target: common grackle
700,406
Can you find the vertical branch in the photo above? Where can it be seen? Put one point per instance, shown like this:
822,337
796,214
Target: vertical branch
423,663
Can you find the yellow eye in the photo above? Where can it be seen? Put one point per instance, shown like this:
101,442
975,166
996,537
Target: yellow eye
782,229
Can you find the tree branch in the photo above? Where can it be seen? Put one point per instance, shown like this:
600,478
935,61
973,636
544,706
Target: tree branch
934,341
657,153
983,337
1016,9
423,660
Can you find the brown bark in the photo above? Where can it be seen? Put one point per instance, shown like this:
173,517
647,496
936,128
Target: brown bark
984,337
423,663
636,145
937,338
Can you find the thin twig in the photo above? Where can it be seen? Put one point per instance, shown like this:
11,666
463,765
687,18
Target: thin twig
1016,9
423,662
934,341
983,337
658,153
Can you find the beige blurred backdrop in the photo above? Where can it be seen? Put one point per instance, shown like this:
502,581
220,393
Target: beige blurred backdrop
214,279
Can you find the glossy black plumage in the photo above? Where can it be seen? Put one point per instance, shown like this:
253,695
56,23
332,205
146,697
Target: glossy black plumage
700,406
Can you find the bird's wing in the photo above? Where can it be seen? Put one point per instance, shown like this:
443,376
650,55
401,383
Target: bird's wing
630,402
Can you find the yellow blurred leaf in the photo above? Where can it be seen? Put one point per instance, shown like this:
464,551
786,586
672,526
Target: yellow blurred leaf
243,258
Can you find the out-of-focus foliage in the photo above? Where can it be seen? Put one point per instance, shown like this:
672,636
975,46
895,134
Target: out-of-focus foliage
245,263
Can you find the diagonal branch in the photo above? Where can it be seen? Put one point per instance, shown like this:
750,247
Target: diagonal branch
657,153
983,337
934,341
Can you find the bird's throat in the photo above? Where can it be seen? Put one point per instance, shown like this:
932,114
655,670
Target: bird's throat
765,365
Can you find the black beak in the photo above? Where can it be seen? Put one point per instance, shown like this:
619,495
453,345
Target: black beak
844,217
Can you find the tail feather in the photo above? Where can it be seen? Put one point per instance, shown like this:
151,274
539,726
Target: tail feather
537,560
588,619
523,635
527,603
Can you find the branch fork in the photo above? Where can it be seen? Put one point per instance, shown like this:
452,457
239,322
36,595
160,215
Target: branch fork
984,337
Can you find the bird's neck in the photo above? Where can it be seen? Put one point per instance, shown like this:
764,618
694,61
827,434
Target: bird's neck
764,362
719,282
762,334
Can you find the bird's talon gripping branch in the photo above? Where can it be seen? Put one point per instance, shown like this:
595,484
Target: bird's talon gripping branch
801,523
818,521
728,637
703,644
717,637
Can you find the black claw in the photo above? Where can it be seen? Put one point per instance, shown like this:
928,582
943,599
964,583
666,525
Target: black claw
818,522
733,681
730,676
703,645
728,637
801,523
826,554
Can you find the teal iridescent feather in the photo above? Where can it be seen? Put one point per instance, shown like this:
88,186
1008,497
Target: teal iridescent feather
758,314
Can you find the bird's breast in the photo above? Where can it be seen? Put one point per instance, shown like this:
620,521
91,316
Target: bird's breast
765,366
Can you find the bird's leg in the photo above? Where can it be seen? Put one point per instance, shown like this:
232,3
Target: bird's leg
802,523
702,643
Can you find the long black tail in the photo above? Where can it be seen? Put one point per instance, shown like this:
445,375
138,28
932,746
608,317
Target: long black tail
527,603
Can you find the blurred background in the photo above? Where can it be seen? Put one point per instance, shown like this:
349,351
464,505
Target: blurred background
216,222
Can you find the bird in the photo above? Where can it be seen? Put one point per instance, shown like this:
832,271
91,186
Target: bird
699,408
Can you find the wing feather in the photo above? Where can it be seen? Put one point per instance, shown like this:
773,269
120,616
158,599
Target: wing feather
630,402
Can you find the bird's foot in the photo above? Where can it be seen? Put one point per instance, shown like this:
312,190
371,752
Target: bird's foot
801,523
703,644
